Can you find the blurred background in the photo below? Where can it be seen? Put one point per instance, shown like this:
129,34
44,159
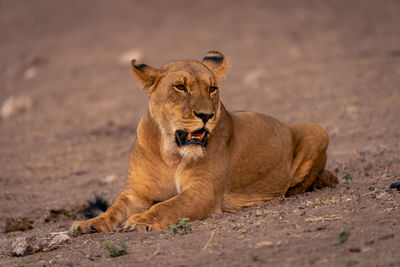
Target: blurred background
70,106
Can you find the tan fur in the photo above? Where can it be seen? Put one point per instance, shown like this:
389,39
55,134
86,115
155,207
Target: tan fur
250,158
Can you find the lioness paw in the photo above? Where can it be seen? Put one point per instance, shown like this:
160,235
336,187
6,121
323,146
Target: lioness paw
98,224
142,223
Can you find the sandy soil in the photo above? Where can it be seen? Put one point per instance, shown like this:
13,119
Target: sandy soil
335,63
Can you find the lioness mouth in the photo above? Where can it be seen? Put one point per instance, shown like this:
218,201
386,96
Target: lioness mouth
198,137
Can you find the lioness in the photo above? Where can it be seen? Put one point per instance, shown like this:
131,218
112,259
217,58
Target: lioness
194,158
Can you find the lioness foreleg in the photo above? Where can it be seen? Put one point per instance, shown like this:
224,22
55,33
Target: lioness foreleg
125,205
196,201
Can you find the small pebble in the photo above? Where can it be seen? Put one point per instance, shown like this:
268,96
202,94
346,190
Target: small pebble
14,105
259,213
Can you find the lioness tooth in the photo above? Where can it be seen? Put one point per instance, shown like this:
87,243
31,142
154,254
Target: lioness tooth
189,136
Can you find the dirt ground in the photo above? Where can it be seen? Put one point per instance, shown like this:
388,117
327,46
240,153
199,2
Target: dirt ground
336,63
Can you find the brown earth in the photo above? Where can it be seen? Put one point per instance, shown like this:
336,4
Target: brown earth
336,63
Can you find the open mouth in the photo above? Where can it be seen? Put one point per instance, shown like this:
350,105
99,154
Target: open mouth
198,137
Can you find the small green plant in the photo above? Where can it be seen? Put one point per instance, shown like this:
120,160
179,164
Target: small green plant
347,177
115,251
344,235
76,233
183,227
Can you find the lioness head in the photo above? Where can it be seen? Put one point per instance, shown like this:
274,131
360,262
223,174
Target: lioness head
184,101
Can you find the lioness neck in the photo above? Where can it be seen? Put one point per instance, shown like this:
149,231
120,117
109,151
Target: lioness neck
160,144
154,140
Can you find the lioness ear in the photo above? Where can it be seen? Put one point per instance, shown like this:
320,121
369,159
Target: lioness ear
146,74
216,62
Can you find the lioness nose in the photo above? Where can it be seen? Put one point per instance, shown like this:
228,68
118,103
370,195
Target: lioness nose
203,116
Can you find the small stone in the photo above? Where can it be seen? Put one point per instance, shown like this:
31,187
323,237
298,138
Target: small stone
259,213
20,246
14,105
108,179
309,203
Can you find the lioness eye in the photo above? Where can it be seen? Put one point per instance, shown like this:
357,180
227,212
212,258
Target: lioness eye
213,89
180,87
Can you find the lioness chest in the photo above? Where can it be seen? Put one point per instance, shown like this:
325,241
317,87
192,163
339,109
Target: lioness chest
256,160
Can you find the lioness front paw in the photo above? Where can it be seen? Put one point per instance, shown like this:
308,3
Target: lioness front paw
142,223
98,224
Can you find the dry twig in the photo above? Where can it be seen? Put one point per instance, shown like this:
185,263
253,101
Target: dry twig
317,219
209,241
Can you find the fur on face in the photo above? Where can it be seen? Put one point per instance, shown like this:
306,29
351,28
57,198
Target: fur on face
184,102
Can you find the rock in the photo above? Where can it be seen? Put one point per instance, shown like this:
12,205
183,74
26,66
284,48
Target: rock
53,241
20,246
14,105
58,240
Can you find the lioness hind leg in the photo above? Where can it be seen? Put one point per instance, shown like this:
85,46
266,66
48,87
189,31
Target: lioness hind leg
324,179
309,158
310,178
